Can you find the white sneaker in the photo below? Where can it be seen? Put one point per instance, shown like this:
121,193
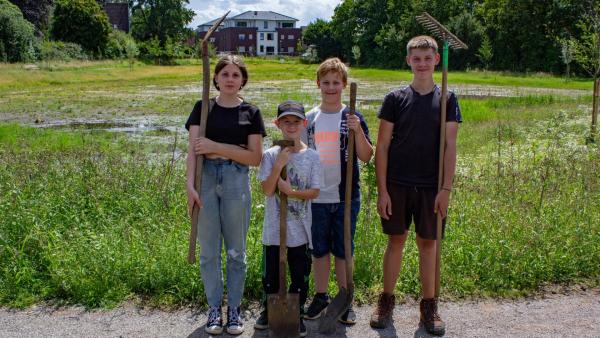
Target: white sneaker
214,324
235,325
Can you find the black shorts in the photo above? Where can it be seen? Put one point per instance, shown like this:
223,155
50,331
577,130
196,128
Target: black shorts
408,204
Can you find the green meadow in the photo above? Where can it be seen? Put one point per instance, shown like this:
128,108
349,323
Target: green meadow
93,205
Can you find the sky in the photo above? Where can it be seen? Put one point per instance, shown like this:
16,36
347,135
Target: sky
306,11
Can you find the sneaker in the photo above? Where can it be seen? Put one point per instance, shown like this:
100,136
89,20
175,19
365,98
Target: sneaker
349,317
430,318
382,315
302,329
214,324
262,323
316,307
235,325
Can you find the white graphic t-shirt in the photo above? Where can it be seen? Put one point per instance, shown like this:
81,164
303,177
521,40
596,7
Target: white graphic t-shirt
327,144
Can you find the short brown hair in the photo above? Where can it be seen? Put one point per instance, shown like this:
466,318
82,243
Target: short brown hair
333,65
421,42
231,60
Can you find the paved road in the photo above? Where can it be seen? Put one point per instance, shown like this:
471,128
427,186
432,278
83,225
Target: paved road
576,314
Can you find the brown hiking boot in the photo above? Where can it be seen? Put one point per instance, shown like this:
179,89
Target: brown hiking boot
382,315
430,317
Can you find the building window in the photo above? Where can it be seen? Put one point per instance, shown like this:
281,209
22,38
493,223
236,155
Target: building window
241,24
270,36
287,25
212,39
282,36
241,37
266,24
290,37
250,49
262,49
241,49
291,50
249,36
262,36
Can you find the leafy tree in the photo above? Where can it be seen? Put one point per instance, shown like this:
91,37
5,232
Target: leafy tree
567,51
82,22
319,33
17,39
161,19
587,53
37,12
485,53
131,52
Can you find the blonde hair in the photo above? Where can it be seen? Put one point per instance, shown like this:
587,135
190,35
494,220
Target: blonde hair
421,42
333,65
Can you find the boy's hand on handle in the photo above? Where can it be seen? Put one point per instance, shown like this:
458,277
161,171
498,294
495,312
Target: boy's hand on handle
442,199
384,205
283,158
192,197
202,146
285,186
354,123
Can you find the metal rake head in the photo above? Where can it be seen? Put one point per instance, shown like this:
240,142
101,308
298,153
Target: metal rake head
440,31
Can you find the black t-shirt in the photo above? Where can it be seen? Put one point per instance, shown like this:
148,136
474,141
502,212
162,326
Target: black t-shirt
413,156
229,125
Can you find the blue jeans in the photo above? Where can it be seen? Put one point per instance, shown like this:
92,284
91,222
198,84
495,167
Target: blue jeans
226,200
328,227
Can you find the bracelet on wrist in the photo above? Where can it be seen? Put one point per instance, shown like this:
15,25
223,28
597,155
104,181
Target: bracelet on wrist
447,189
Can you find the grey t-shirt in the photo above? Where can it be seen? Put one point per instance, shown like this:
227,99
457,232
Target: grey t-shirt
303,170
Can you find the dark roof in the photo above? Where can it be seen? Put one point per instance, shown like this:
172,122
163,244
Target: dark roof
255,15
118,15
263,15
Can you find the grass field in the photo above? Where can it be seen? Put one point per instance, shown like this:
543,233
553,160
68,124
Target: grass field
96,217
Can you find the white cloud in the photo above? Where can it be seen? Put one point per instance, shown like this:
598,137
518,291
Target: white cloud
305,11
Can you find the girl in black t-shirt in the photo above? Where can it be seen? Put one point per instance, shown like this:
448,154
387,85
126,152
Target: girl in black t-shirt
234,132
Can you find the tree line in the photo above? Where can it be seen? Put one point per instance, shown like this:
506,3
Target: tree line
507,35
79,29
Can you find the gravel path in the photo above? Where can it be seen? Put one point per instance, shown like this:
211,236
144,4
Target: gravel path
571,314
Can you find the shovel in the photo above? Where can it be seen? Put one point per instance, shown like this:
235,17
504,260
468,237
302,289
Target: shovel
283,309
343,300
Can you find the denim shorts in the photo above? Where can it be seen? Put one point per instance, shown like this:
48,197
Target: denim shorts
328,227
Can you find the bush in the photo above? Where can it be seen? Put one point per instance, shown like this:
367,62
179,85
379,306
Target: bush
62,51
17,39
152,51
118,44
82,22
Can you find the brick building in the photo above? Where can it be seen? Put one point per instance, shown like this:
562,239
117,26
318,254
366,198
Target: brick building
255,33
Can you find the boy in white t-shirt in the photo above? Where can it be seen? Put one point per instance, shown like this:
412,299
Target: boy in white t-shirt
327,133
301,186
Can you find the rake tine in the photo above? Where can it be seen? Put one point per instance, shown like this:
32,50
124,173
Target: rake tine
440,31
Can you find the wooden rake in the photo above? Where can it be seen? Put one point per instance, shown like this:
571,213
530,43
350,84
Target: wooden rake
449,39
203,116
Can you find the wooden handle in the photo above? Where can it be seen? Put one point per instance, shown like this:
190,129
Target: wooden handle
348,196
282,234
438,242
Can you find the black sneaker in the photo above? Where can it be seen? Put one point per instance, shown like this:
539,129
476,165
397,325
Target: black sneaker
302,329
349,317
262,323
235,325
316,307
214,324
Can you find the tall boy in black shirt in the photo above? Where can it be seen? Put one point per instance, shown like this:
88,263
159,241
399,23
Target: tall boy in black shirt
406,162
